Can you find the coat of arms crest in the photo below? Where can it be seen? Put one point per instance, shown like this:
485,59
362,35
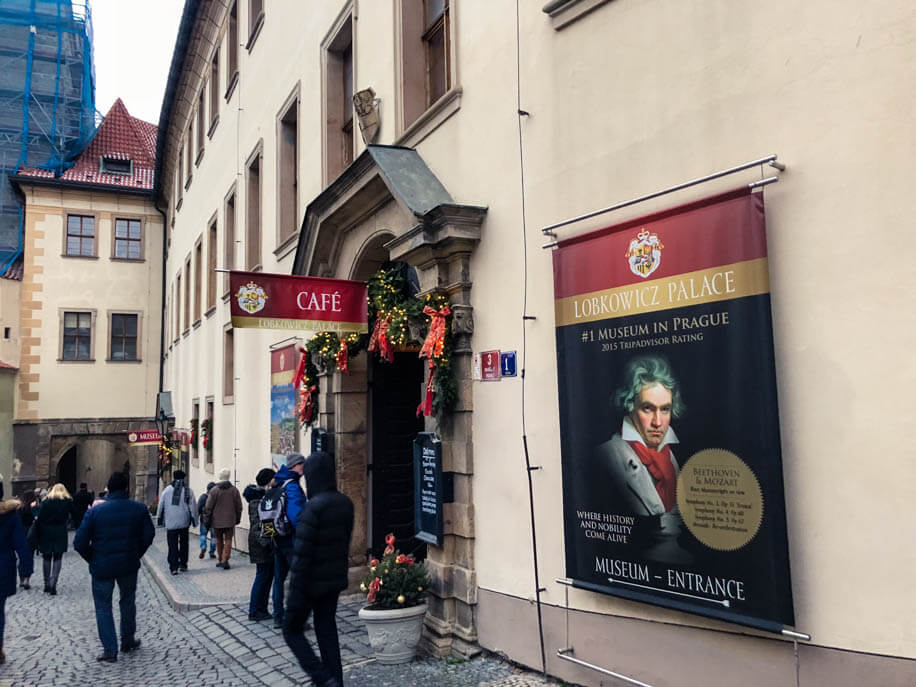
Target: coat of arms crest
644,254
251,297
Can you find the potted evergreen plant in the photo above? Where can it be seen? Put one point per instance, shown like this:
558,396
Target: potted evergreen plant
395,589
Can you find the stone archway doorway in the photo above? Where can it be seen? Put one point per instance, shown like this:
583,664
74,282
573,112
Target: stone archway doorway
394,393
66,469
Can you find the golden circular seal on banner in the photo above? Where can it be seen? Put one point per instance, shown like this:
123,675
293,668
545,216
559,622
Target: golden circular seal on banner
720,499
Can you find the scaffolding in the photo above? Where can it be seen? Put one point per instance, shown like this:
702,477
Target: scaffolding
47,98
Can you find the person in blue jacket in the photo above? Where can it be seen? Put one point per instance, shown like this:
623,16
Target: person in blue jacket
12,545
288,475
113,537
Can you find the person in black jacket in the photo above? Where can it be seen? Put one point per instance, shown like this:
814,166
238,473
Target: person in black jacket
82,499
319,571
260,553
112,539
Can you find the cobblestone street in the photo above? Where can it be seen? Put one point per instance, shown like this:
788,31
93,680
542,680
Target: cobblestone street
195,630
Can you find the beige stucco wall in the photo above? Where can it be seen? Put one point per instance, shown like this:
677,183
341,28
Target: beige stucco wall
629,99
10,292
639,96
53,283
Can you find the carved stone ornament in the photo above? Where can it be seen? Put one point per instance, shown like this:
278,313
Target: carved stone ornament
462,319
366,105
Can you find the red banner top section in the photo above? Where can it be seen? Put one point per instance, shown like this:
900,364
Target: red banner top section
283,359
278,301
720,230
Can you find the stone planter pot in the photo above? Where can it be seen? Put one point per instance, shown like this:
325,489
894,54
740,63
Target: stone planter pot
394,633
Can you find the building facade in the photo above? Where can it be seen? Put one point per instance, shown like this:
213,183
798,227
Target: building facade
483,124
89,360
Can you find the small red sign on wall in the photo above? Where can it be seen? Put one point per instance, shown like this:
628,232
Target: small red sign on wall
144,436
489,366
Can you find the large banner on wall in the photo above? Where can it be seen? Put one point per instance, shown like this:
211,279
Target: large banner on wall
672,471
283,363
280,301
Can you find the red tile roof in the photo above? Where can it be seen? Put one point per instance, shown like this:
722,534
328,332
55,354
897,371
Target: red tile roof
120,137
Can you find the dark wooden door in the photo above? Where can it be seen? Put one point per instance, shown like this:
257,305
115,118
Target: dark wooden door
395,392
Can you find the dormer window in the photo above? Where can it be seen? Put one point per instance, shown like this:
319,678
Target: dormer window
114,165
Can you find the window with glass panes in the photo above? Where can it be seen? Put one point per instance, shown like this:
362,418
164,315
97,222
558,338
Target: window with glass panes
123,337
81,235
127,239
77,336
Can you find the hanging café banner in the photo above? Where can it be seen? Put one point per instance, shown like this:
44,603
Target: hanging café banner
672,472
278,301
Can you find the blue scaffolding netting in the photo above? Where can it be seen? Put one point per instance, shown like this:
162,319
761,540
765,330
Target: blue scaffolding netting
47,98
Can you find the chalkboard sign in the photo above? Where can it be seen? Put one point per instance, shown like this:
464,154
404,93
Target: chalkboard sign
322,440
431,487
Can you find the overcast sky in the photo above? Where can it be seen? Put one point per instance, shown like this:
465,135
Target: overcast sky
133,42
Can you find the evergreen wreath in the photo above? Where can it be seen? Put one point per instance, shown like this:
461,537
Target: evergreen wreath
206,428
194,432
393,313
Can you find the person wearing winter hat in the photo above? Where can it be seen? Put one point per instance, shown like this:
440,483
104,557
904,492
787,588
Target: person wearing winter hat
223,511
177,510
260,551
288,476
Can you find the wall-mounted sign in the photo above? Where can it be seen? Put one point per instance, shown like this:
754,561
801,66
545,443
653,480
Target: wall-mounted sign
432,488
489,366
669,428
507,364
280,301
144,436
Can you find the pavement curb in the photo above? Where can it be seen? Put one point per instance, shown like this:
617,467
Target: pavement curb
172,595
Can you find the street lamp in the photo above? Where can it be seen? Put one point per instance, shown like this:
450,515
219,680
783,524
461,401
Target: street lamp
165,446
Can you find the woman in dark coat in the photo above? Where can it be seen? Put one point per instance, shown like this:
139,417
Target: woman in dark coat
52,533
12,545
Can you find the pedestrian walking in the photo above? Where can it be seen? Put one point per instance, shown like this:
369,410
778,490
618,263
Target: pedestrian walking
287,477
224,512
319,571
12,546
177,510
260,550
204,529
82,499
51,526
112,539
25,516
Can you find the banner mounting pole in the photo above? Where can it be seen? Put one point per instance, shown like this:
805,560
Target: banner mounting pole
770,160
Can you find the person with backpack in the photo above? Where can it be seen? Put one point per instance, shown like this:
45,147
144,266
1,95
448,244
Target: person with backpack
279,513
204,527
177,511
224,511
260,550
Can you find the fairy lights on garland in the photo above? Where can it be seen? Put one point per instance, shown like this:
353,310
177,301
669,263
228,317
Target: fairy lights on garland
392,311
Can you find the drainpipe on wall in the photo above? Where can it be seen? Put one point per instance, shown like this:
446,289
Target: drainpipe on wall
165,234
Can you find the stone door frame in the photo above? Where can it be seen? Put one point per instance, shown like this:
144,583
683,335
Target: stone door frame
437,237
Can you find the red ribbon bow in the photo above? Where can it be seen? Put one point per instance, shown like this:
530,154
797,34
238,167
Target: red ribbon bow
432,349
306,403
342,356
379,339
300,369
435,340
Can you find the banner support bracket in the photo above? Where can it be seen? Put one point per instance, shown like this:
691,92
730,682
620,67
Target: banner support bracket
769,159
